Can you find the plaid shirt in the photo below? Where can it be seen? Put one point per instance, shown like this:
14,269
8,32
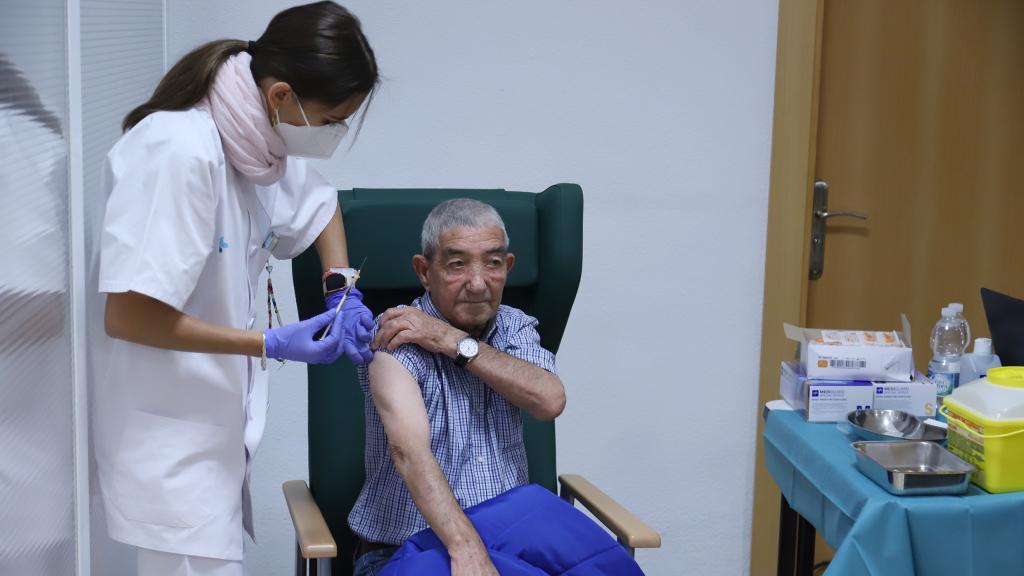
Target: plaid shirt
476,435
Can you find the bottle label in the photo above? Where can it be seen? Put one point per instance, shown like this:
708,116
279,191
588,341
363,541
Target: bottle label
945,382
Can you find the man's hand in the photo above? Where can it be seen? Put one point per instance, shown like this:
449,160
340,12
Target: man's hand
410,325
472,561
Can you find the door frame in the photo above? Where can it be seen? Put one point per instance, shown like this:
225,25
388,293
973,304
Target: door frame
794,145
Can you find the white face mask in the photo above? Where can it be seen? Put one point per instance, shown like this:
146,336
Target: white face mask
310,141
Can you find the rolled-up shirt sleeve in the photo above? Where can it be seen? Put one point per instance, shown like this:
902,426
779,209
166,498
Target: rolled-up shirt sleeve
411,356
523,342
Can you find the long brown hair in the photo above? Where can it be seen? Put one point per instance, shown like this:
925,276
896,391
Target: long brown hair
319,49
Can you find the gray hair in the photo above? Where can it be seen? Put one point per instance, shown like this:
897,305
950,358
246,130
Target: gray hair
457,213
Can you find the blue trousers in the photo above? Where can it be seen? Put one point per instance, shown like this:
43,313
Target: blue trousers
528,531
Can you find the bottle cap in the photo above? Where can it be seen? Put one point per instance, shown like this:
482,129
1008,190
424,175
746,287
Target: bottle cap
983,347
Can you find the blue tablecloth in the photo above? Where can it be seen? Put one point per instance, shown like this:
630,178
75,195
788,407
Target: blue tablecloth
878,534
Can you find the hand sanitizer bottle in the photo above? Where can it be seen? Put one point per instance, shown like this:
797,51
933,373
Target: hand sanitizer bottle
977,364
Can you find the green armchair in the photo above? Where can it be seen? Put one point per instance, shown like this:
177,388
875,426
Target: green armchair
383,226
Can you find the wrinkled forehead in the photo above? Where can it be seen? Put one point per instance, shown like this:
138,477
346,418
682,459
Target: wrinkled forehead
472,241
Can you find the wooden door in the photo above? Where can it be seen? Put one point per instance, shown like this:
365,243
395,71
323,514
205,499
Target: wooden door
921,125
913,112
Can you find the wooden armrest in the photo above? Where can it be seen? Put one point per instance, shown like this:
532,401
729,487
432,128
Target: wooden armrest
629,529
311,531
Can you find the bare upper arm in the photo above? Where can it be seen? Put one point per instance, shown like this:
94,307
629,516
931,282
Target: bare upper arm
127,314
398,400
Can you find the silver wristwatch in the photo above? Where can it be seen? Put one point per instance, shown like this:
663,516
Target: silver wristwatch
467,350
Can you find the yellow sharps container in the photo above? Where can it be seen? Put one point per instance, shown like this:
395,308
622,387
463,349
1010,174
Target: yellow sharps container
986,428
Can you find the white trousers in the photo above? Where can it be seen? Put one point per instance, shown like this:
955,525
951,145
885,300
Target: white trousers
155,563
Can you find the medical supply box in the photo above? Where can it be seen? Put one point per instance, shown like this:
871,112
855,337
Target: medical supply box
855,354
916,397
823,400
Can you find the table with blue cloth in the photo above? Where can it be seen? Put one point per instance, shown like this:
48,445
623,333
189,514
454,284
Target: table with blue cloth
875,533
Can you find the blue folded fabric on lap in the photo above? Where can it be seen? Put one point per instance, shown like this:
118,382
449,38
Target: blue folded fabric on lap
528,531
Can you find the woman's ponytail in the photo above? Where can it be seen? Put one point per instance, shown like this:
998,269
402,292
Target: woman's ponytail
319,49
188,81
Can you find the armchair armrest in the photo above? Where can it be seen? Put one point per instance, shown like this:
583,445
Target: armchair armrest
311,532
631,531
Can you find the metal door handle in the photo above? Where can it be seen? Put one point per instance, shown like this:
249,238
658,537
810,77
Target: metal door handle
821,215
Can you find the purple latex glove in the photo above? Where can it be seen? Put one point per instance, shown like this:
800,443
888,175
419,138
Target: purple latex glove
298,341
355,325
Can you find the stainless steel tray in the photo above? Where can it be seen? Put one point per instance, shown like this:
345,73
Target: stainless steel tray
892,425
914,467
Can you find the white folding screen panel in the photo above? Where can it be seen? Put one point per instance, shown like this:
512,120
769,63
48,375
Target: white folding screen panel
69,72
37,460
122,59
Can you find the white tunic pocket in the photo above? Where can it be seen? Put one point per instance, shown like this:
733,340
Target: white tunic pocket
173,463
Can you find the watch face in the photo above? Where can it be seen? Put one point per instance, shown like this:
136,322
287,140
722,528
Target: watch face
338,278
335,282
468,347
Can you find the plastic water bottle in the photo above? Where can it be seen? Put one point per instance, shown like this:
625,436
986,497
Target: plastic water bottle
949,339
959,309
977,364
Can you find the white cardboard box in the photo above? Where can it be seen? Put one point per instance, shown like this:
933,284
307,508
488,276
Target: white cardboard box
917,397
823,360
823,400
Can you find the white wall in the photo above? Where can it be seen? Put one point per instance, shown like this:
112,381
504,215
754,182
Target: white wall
661,110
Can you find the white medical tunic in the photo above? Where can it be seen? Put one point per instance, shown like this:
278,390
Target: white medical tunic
174,432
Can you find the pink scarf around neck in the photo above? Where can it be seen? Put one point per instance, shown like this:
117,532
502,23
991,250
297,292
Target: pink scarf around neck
251,144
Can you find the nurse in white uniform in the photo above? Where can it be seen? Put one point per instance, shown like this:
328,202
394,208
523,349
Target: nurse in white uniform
205,185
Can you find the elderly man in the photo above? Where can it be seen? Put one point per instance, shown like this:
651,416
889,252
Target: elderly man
443,394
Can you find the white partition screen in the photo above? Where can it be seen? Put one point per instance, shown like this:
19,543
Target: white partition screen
37,467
